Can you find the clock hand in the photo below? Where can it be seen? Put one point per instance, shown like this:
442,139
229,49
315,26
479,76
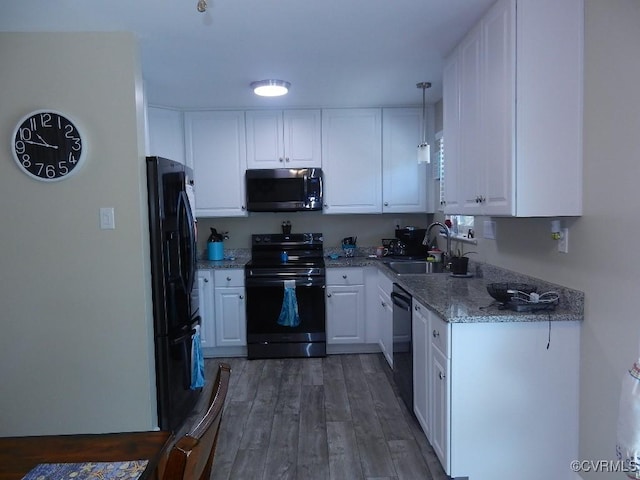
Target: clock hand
40,144
45,142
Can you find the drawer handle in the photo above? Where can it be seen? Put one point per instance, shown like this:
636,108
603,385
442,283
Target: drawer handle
228,279
206,280
441,375
436,334
344,276
241,297
328,295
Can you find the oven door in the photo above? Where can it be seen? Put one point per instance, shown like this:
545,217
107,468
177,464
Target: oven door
265,297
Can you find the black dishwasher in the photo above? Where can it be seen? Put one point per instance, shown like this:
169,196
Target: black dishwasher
402,352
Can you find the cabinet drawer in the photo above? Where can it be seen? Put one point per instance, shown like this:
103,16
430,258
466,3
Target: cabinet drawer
440,335
345,276
229,278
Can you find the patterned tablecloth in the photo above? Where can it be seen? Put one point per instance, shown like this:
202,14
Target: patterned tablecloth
130,470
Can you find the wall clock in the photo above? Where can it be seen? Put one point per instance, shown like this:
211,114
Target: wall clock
48,146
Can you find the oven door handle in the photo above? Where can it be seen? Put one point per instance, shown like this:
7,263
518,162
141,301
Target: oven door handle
401,301
271,282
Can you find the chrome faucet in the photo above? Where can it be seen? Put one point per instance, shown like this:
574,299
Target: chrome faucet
425,241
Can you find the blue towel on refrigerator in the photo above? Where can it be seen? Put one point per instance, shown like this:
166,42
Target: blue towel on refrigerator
289,313
197,361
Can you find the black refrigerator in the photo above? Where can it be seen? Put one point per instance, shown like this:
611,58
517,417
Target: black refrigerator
172,230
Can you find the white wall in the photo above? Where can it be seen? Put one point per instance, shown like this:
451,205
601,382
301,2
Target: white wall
75,345
602,260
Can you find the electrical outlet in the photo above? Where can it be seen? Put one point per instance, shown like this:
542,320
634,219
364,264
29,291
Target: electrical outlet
563,243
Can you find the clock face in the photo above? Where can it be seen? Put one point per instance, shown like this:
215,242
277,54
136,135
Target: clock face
48,146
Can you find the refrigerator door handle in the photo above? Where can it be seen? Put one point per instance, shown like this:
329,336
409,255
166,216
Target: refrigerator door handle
186,337
188,271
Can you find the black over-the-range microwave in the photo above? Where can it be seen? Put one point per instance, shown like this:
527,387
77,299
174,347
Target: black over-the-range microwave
284,189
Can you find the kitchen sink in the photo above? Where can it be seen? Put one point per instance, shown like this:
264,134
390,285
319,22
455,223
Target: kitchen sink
414,267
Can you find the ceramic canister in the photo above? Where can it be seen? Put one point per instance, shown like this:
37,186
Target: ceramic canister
215,250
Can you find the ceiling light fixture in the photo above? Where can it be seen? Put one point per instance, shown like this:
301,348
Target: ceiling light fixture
424,150
202,6
270,88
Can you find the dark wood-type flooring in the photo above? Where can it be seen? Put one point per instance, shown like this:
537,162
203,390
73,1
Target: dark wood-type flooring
337,417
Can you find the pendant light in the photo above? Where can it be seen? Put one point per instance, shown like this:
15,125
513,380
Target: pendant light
424,150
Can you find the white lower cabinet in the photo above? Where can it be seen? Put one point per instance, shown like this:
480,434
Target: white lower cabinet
491,397
222,310
231,325
421,366
385,317
206,308
345,306
439,389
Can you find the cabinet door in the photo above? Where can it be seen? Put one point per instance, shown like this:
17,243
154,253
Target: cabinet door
440,420
302,139
498,108
166,133
289,139
264,139
206,308
471,143
230,317
451,132
345,314
385,325
216,150
421,366
404,181
351,160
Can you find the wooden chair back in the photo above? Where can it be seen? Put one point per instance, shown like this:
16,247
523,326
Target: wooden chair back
191,457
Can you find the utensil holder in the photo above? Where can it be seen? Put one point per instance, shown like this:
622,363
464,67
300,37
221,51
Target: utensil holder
215,250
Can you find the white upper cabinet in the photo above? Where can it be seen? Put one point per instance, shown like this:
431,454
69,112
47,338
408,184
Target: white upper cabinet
451,135
289,139
166,133
513,141
215,142
352,156
404,181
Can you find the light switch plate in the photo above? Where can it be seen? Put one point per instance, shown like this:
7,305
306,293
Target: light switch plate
107,218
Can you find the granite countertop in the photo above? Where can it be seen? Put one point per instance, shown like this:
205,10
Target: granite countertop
456,300
466,300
